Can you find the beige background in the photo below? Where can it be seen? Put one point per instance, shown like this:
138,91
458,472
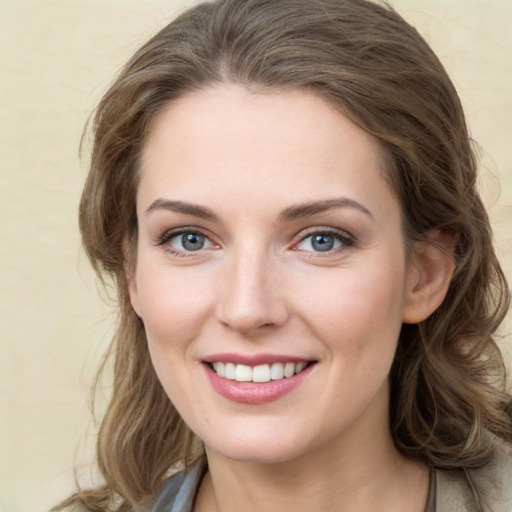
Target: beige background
56,58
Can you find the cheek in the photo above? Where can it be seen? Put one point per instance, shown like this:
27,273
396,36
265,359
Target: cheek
173,308
172,303
357,310
361,292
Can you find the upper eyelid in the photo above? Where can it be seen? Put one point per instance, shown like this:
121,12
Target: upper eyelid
171,233
305,233
298,237
346,240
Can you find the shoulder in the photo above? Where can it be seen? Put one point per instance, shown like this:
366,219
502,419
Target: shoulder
74,508
494,481
178,492
498,484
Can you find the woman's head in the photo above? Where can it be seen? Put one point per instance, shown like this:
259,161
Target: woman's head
362,59
270,240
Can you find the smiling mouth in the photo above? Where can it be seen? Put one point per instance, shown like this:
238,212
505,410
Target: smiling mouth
258,373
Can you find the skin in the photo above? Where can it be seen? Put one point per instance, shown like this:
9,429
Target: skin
258,285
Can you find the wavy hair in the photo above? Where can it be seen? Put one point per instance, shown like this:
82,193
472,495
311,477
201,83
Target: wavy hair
448,395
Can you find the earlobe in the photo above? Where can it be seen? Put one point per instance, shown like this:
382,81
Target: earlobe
134,295
131,283
429,276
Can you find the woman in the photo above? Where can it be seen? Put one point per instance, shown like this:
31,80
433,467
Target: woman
284,194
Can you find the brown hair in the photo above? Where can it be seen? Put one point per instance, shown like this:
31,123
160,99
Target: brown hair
448,381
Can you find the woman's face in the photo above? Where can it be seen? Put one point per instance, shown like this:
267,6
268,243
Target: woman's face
270,272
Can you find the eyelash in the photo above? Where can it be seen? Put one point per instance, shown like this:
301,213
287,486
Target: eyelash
346,240
173,233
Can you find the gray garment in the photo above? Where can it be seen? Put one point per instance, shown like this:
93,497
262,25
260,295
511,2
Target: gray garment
495,481
432,495
178,492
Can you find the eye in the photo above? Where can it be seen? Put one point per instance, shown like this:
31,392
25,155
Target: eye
323,241
187,241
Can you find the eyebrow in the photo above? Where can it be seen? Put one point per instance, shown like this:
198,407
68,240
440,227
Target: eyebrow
181,207
313,207
291,213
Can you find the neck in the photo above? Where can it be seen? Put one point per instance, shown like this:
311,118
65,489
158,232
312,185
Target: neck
358,472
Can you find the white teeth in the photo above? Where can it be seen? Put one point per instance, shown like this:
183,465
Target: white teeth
260,373
289,369
277,371
243,373
299,366
229,369
220,368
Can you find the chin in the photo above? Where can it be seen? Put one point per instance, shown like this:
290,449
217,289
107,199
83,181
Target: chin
263,447
256,455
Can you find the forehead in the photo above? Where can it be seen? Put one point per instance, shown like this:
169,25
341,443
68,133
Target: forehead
228,136
233,106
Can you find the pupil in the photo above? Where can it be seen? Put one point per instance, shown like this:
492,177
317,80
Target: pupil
192,241
323,242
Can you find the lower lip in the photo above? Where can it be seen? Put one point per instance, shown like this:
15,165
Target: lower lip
255,393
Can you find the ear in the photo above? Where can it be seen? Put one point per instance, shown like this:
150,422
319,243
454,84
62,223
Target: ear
429,276
130,274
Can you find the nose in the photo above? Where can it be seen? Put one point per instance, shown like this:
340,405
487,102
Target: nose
251,299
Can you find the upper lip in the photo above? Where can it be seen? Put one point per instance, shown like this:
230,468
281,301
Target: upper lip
254,359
